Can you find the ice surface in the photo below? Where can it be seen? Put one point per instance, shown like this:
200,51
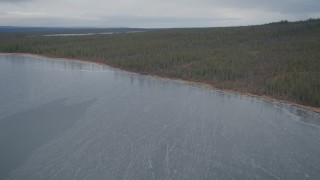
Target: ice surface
140,127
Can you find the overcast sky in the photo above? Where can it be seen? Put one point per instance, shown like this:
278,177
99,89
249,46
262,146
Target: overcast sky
154,13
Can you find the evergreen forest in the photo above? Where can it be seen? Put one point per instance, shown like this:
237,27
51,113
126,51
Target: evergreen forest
280,60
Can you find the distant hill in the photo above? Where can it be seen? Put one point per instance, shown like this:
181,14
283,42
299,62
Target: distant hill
62,30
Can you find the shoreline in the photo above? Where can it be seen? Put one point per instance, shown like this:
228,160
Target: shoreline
204,85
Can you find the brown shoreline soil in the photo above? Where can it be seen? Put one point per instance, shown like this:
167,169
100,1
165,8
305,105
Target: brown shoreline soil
205,85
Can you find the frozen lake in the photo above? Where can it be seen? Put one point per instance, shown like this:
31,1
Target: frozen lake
77,120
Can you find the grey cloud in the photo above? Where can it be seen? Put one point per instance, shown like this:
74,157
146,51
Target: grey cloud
154,13
14,1
285,6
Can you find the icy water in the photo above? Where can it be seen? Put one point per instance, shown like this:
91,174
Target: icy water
76,120
90,34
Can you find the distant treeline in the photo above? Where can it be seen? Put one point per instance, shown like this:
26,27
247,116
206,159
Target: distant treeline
281,59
